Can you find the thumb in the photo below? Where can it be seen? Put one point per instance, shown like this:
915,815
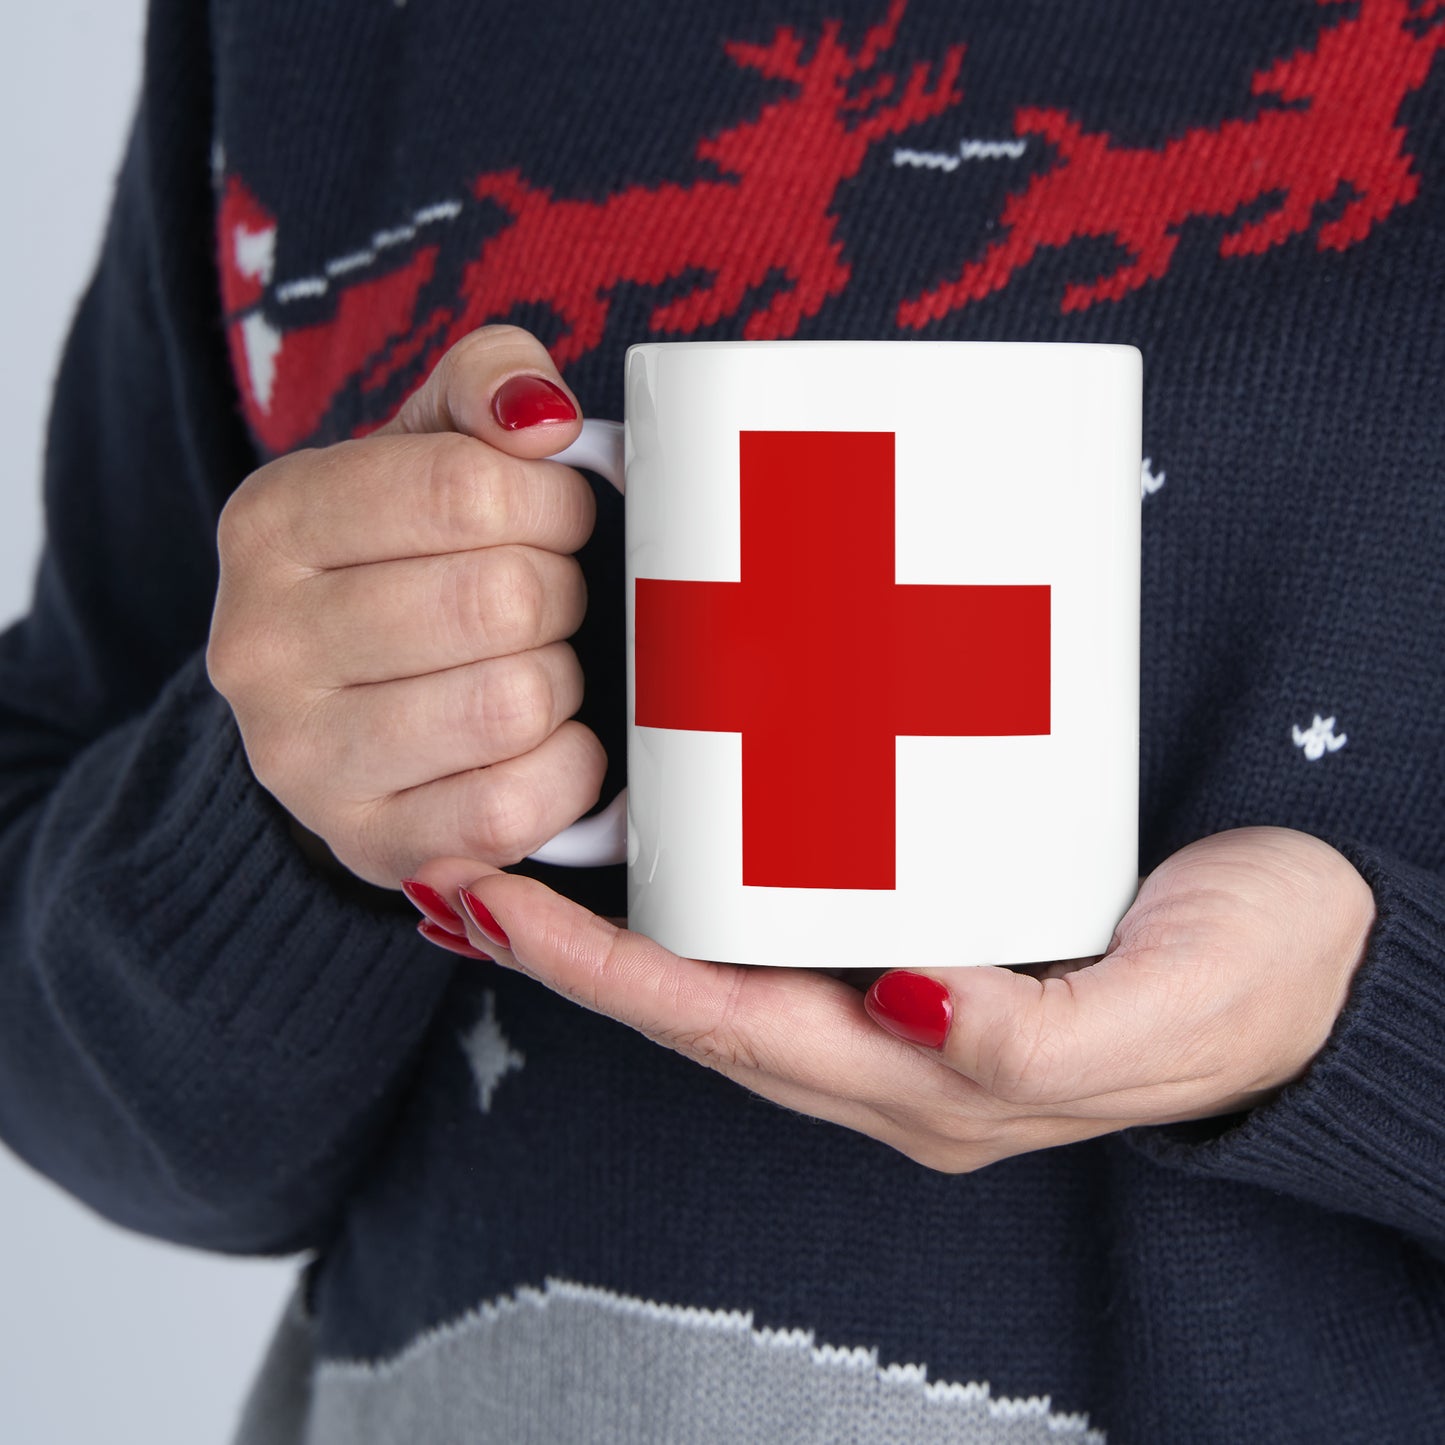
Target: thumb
1036,1042
498,385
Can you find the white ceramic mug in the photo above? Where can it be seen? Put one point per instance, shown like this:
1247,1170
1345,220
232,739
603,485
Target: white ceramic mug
882,650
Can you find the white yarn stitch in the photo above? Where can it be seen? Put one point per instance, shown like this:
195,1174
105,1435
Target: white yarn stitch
489,1052
353,262
1319,738
256,252
305,287
932,160
968,150
262,343
992,150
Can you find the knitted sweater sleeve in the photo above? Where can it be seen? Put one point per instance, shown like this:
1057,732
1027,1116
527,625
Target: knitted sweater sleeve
200,1037
1363,1131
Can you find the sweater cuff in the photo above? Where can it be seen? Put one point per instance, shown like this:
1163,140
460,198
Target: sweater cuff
1363,1131
220,910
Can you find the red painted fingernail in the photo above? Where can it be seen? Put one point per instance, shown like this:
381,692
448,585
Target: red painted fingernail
481,915
914,1008
523,401
449,941
434,906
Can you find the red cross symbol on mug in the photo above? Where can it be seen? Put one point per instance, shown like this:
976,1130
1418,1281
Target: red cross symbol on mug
821,661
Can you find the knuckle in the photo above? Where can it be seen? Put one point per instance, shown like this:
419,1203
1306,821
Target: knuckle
245,661
480,347
592,989
255,519
717,1043
513,604
566,687
241,526
233,526
366,843
223,658
500,332
457,369
567,509
253,498
505,824
516,705
460,491
572,599
715,1049
592,760
1022,1065
462,354
468,369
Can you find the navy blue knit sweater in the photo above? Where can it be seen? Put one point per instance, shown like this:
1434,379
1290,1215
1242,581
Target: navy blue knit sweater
527,1222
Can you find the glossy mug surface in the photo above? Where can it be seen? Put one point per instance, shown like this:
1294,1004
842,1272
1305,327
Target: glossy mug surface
882,641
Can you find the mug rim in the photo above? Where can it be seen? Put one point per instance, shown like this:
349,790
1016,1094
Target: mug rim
865,343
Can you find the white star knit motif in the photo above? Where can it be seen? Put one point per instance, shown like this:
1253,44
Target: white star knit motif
489,1053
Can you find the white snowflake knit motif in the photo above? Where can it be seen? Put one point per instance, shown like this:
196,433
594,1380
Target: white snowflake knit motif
1319,738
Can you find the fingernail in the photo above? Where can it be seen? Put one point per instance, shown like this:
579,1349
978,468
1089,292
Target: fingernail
449,941
523,401
914,1008
434,906
481,916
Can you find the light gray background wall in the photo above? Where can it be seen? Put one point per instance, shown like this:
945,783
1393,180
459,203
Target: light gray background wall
103,1336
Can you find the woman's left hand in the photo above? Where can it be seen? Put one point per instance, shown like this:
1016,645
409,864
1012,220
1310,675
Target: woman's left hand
1221,983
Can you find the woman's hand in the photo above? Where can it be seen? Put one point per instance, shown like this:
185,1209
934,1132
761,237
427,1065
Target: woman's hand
1221,984
390,620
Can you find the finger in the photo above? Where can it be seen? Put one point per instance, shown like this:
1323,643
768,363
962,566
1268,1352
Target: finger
1047,1044
403,496
498,814
1057,968
445,939
388,737
415,616
792,1036
799,1028
500,386
447,881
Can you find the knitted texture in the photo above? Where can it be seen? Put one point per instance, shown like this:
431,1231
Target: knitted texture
518,1209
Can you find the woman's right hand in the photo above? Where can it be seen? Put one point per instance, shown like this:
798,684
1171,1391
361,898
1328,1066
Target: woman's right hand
389,626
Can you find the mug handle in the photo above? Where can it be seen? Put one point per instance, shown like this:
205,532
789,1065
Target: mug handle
602,838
